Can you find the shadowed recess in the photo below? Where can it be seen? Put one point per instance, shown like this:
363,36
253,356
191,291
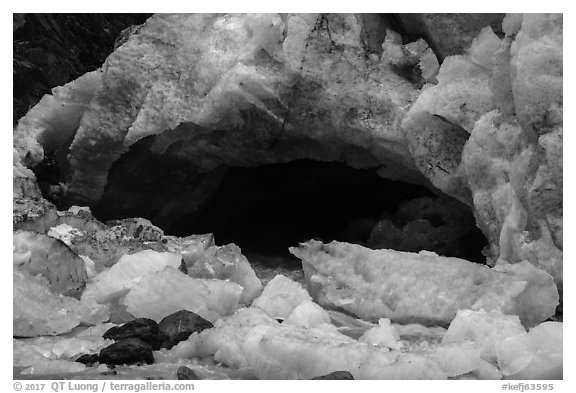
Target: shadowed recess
267,209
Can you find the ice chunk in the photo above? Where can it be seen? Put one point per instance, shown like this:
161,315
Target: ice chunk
96,331
227,263
288,352
38,311
307,314
384,335
160,294
349,326
89,265
251,339
484,47
461,359
58,347
422,288
225,340
90,311
54,120
53,367
40,254
111,284
539,300
24,355
533,355
483,328
280,296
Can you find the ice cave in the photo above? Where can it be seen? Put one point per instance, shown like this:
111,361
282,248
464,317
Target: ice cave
288,196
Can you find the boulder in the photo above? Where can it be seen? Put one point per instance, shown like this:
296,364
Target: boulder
88,359
186,373
337,375
126,351
180,325
144,329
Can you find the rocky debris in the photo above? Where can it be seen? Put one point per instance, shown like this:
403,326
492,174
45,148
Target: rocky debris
186,373
127,351
106,244
144,329
337,375
39,311
225,263
86,236
422,288
180,325
52,259
36,215
280,297
139,228
88,359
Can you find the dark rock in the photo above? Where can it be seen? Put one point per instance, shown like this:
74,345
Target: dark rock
52,49
185,373
88,358
141,328
183,267
180,325
338,375
111,372
127,351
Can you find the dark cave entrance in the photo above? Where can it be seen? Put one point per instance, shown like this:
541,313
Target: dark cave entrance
267,209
